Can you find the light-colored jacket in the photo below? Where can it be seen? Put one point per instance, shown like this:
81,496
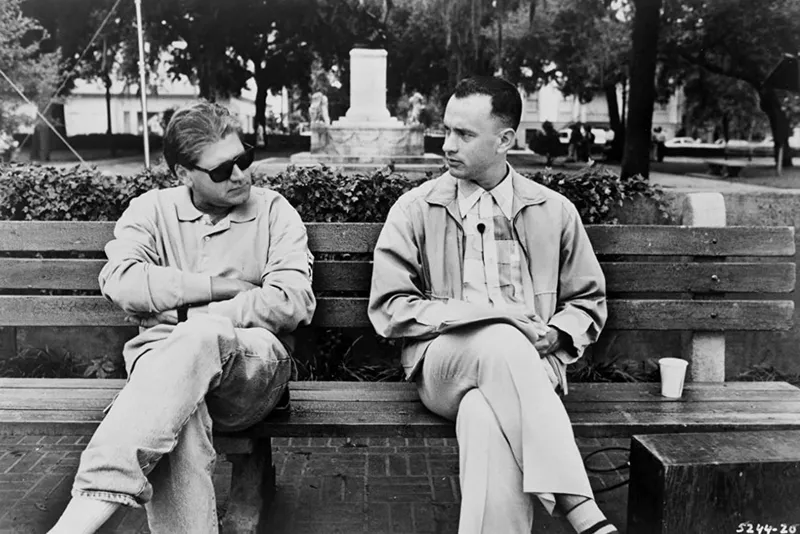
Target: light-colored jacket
417,276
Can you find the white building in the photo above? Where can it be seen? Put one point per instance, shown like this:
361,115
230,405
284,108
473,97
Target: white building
549,104
85,108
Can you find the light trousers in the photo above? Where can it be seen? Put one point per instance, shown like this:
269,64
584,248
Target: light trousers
154,447
515,438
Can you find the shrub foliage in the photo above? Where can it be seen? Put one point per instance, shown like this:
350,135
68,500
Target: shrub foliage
320,194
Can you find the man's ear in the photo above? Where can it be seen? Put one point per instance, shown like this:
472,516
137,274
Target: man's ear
507,140
183,175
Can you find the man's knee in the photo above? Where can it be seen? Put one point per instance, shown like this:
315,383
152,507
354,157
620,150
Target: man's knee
205,329
499,341
474,410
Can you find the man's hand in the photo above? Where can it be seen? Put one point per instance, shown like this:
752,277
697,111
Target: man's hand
154,319
551,341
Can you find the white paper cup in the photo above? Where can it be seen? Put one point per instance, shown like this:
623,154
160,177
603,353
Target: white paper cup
673,373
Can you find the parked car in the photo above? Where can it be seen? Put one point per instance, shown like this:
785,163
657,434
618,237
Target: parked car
681,141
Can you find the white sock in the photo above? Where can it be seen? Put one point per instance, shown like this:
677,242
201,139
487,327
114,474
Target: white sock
84,515
586,518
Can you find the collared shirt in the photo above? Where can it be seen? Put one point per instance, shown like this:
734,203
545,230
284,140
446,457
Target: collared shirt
492,256
165,252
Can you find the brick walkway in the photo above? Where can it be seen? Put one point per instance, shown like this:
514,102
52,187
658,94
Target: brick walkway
389,485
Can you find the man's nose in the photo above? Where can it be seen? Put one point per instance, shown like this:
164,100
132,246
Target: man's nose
238,175
449,144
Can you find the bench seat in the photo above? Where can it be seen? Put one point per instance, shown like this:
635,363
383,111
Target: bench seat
732,167
358,409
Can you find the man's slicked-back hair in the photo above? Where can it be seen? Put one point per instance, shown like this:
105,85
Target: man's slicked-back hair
506,102
194,127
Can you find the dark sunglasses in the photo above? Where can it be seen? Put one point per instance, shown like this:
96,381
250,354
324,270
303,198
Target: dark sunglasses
223,171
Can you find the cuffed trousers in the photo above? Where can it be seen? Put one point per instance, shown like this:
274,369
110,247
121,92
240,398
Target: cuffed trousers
154,447
515,438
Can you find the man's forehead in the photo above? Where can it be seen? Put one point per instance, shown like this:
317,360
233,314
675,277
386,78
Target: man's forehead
220,151
468,110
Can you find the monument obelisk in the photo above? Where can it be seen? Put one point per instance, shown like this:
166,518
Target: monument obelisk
367,134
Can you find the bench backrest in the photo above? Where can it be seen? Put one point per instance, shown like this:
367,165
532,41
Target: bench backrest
658,277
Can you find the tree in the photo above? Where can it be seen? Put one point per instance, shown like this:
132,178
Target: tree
644,52
728,107
22,60
740,40
591,50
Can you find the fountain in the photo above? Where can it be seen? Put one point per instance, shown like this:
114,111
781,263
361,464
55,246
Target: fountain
368,136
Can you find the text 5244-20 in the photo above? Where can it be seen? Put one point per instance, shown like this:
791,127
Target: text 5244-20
767,528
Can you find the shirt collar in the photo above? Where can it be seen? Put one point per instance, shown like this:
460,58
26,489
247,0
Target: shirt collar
187,211
503,193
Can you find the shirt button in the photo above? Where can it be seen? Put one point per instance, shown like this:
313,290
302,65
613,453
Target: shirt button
206,238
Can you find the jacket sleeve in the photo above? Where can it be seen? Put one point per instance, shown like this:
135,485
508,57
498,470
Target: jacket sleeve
581,310
398,306
285,299
134,279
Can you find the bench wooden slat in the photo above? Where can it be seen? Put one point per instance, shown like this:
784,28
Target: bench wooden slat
361,237
624,314
345,409
401,391
704,407
666,277
692,241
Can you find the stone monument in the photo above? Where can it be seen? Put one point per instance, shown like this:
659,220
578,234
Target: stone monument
368,135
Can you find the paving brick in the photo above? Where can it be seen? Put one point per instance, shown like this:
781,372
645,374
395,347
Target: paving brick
401,519
367,485
376,465
398,464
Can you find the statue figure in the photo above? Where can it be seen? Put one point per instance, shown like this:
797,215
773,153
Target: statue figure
417,102
318,109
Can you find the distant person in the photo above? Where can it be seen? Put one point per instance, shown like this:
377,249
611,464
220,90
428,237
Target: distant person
492,284
551,144
586,143
575,141
217,275
661,143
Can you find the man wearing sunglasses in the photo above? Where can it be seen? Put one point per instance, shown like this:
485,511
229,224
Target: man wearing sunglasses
217,274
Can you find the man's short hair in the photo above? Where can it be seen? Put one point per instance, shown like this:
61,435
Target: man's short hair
506,102
192,128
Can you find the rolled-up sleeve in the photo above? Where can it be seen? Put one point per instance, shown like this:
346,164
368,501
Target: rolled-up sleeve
285,299
581,310
134,277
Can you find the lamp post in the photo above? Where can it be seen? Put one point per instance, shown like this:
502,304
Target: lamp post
143,84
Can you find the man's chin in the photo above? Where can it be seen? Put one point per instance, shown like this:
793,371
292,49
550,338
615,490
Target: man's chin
239,196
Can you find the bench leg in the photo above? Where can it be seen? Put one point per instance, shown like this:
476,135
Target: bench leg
252,490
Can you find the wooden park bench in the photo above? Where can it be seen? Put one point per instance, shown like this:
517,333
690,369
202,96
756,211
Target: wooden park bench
731,168
659,278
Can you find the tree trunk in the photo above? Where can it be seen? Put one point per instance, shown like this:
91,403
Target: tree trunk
778,123
615,152
109,133
636,157
260,118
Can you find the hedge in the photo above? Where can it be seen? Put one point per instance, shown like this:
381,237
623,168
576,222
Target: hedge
320,194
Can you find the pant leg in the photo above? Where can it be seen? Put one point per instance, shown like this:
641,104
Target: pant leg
492,499
166,386
503,365
183,491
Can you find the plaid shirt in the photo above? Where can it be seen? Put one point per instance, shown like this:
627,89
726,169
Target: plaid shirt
492,257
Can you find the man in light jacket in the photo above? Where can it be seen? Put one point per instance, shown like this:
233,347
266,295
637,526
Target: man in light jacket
217,274
493,284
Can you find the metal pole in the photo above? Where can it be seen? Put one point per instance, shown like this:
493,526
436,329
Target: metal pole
143,84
